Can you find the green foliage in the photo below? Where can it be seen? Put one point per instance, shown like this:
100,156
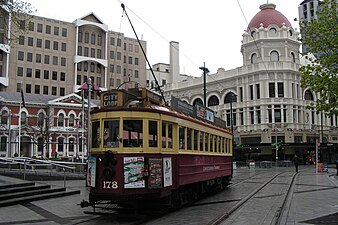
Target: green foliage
320,75
20,14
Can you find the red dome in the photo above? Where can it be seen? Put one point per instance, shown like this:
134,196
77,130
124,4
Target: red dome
267,16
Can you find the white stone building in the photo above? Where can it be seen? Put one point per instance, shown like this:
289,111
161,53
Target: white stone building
269,103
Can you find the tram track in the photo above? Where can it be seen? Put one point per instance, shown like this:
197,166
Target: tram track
281,211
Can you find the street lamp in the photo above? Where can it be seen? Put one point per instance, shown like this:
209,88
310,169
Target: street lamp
89,86
232,96
205,71
89,82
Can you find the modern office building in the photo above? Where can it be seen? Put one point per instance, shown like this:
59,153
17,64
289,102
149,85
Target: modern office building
50,62
55,57
264,96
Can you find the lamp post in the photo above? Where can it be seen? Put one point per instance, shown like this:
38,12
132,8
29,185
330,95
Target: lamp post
232,96
231,116
205,71
89,82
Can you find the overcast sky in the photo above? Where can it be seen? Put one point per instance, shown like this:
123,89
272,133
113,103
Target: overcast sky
207,31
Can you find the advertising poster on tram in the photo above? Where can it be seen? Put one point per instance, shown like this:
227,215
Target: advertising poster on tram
91,171
167,172
155,173
133,168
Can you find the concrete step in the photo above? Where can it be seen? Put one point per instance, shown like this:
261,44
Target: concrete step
18,189
13,185
21,200
22,192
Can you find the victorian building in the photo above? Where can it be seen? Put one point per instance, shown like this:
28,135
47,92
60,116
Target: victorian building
264,96
48,126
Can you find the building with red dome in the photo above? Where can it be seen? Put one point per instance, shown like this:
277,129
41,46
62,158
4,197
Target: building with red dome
263,100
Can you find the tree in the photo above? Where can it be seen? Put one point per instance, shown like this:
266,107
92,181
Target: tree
320,74
19,13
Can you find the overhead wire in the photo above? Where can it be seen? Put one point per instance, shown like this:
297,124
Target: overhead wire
160,35
183,54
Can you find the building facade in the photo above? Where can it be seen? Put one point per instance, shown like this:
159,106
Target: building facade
49,126
54,58
263,100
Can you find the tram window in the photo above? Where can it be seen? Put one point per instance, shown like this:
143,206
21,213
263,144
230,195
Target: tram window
212,143
111,134
201,140
206,142
153,134
95,134
189,138
181,137
224,145
132,133
164,134
170,135
215,144
195,139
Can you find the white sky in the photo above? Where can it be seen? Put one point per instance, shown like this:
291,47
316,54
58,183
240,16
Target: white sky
207,31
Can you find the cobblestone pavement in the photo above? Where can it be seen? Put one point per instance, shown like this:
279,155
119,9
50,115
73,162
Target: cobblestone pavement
315,201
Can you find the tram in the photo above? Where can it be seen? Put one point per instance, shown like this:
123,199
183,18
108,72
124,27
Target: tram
143,152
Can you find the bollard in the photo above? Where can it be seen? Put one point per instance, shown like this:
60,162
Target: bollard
64,177
24,169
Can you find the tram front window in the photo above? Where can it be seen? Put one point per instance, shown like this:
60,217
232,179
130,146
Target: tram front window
95,134
132,133
111,134
153,134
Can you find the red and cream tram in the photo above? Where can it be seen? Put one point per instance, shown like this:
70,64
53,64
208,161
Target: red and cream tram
143,152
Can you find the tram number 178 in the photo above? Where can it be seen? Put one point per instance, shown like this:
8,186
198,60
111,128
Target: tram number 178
110,184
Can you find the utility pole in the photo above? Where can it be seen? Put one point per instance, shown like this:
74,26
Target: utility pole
205,71
89,82
9,153
82,126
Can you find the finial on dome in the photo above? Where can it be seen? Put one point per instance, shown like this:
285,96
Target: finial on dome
267,6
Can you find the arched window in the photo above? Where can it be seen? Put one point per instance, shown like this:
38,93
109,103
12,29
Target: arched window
60,144
213,100
293,57
61,120
253,58
92,67
85,66
290,32
198,101
23,118
71,120
93,39
230,96
274,56
71,145
40,145
41,119
308,95
253,34
4,117
3,145
86,37
272,32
